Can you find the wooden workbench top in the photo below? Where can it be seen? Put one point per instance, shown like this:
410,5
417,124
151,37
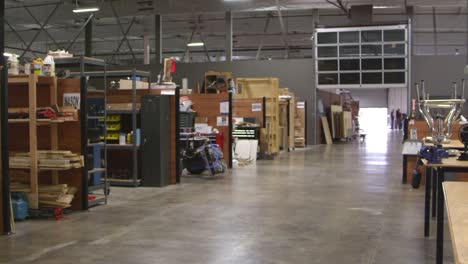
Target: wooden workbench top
454,144
450,162
456,200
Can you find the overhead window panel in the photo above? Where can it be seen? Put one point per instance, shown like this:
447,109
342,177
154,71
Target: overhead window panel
371,50
394,35
371,36
349,37
328,78
394,64
395,49
327,65
349,65
327,38
327,52
394,77
350,78
372,78
371,64
349,51
373,57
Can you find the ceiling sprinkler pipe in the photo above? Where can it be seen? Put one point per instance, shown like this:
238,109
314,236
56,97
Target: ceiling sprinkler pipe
417,92
423,86
455,90
463,89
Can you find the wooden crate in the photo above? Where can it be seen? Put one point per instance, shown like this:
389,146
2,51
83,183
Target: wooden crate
268,88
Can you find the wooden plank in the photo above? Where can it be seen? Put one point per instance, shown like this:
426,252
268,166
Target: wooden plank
326,130
33,198
292,116
456,200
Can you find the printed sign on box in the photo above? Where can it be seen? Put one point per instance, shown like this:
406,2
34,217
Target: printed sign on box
72,99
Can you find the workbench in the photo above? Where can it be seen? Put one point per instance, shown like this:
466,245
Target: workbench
456,201
409,161
450,164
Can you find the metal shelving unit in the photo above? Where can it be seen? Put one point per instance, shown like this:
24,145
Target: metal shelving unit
91,67
134,180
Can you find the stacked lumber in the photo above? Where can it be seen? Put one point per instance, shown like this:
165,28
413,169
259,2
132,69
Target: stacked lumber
48,159
299,125
50,196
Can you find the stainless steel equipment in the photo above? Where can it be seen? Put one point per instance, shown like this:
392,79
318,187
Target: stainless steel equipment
440,114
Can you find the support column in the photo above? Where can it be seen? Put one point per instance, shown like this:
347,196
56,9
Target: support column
409,95
229,36
89,38
315,117
5,179
146,49
158,38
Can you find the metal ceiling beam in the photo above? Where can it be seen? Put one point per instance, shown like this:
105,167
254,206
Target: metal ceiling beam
80,31
125,33
125,39
265,29
42,27
89,38
35,5
205,49
434,27
30,50
45,30
228,25
19,37
158,39
283,30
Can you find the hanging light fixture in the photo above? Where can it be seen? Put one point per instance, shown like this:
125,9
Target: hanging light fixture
84,9
195,44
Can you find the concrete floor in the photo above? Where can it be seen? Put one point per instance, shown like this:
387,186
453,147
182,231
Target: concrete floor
328,204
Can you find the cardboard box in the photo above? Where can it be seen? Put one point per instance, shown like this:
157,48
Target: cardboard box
128,84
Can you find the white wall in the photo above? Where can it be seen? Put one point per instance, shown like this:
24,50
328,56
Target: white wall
397,99
370,98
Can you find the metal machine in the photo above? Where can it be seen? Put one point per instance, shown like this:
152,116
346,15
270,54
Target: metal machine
446,112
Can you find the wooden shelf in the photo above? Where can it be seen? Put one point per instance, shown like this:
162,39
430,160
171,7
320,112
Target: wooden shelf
39,121
41,168
24,79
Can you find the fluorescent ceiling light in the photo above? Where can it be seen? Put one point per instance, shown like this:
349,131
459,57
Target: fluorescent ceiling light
385,7
196,44
85,9
6,54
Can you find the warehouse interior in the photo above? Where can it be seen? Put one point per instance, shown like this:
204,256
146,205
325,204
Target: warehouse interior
233,131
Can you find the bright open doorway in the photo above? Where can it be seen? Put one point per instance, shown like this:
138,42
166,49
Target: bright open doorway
374,122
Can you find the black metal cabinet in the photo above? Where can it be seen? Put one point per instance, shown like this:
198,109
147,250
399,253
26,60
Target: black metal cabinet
155,140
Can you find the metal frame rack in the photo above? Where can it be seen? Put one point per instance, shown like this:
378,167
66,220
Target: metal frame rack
84,63
133,73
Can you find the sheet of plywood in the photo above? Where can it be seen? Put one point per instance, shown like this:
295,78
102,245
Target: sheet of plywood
347,124
326,130
456,199
334,109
